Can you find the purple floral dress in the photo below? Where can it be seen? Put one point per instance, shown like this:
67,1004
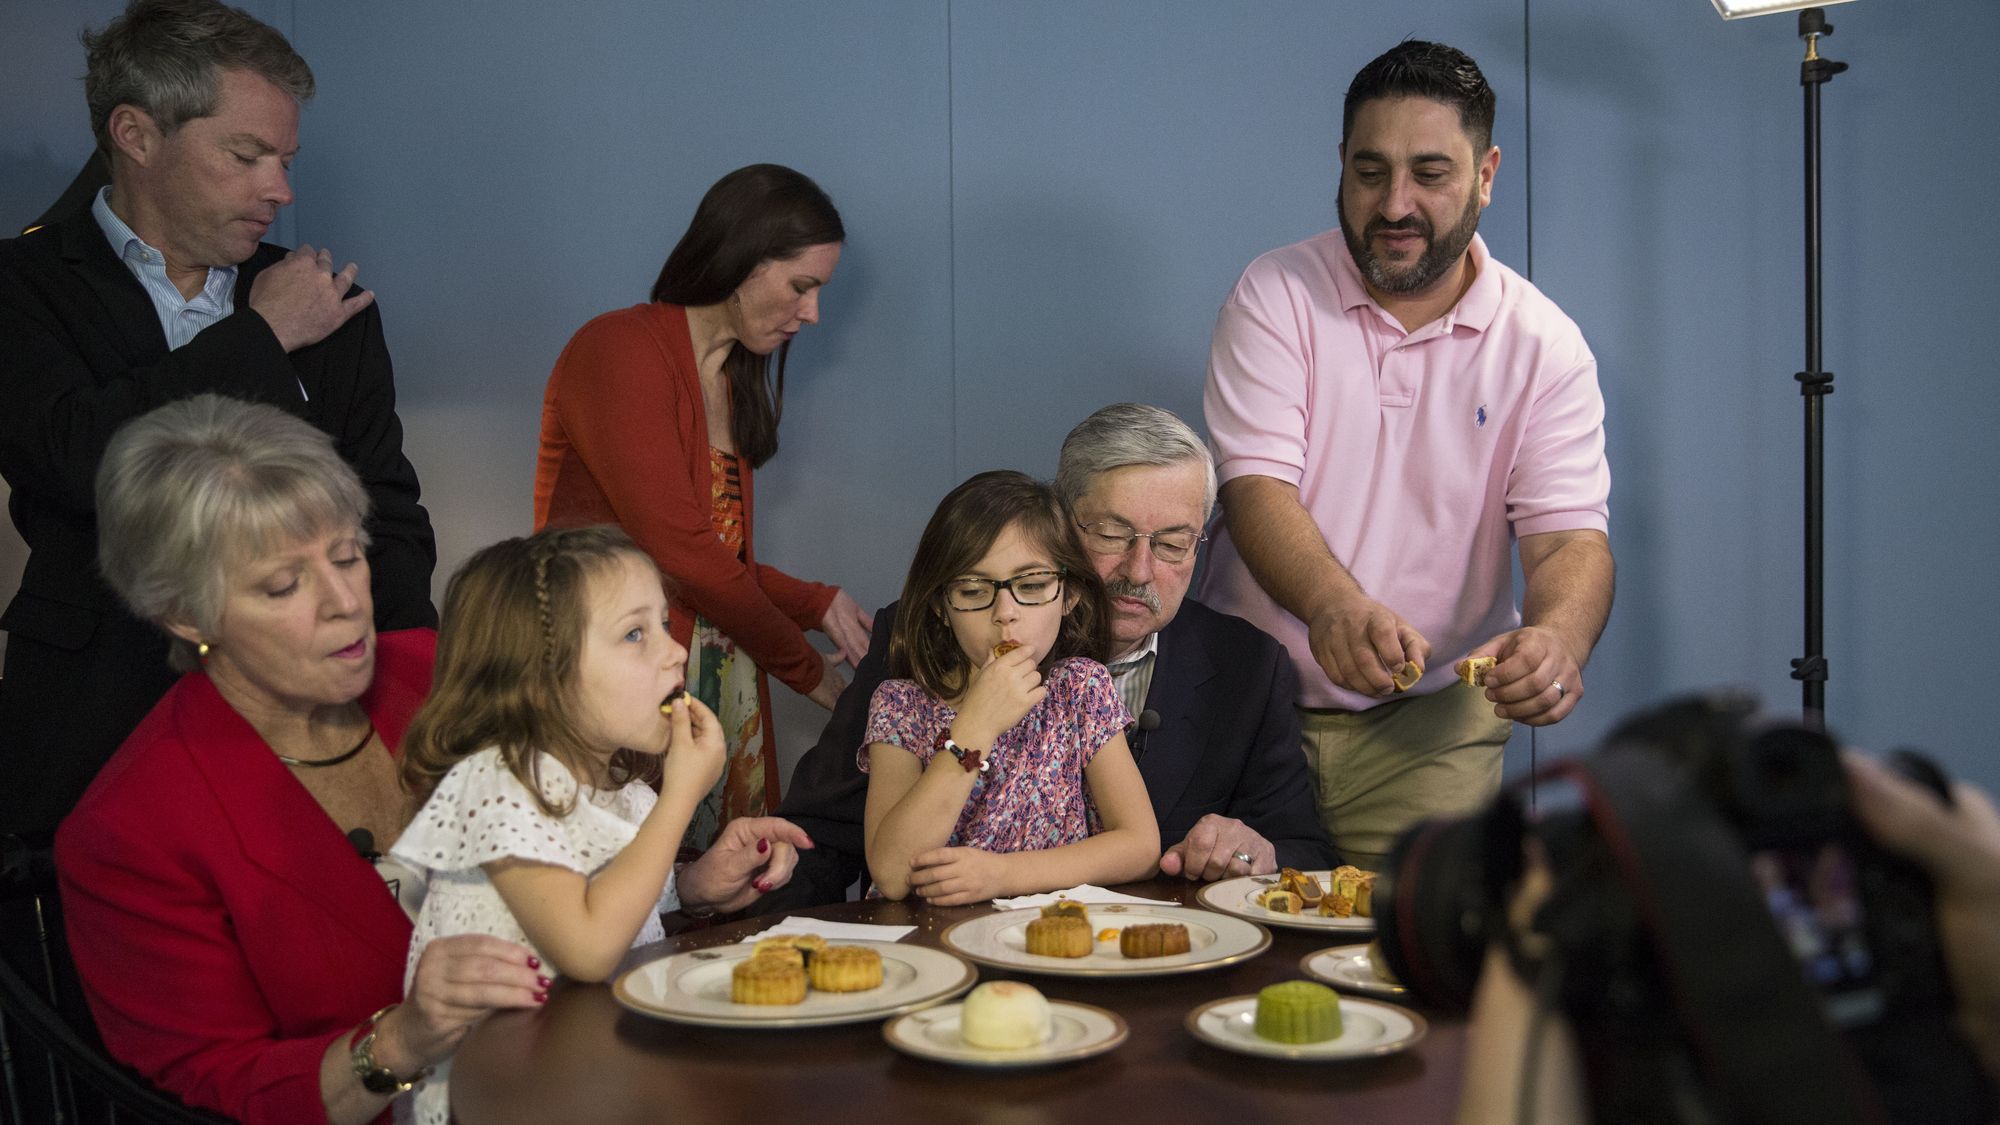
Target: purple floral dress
1034,798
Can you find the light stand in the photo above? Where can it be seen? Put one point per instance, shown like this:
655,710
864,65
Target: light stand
1814,384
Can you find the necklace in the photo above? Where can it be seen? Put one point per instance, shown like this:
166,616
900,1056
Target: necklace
321,763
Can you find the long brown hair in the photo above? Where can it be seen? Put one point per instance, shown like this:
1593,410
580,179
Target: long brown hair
765,212
967,522
509,650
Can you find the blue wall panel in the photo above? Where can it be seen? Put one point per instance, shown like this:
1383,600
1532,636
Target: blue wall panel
1116,166
1047,202
1668,222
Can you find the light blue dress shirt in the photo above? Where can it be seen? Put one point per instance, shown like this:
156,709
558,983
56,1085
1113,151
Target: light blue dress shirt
181,318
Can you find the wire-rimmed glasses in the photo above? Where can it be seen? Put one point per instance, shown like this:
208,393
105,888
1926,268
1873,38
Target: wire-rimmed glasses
1116,537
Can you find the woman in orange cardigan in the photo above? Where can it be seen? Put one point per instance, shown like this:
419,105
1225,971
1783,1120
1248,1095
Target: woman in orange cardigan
655,417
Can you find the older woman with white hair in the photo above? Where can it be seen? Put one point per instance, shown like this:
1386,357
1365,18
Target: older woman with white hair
240,941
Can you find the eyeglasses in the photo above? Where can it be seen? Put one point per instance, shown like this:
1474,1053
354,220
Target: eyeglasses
1115,537
1037,587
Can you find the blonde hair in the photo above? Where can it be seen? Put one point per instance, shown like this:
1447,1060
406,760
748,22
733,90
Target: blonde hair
508,659
199,487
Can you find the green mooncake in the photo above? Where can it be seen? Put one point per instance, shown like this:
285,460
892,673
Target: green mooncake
1298,1011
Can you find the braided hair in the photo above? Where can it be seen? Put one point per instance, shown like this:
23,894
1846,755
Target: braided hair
508,662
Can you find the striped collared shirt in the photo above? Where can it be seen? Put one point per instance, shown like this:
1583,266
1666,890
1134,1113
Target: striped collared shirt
181,318
1133,674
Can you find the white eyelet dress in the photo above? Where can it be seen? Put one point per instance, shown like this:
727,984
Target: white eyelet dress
481,813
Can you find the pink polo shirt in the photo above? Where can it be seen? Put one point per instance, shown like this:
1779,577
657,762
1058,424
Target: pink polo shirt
1420,455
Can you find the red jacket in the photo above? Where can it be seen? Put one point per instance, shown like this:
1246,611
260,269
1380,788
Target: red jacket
225,929
625,441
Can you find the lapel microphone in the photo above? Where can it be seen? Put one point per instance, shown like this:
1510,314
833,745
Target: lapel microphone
364,842
1149,720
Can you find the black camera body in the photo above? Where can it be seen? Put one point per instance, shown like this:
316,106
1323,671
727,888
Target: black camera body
1728,943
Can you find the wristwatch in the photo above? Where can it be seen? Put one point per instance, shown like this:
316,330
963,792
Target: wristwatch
970,759
376,1078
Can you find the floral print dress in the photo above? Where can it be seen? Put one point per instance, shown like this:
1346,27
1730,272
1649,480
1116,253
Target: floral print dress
726,680
1034,797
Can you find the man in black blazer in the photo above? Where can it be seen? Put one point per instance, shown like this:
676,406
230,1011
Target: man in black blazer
1216,736
158,290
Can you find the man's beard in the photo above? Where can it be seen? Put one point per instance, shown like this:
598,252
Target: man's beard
1120,588
1439,256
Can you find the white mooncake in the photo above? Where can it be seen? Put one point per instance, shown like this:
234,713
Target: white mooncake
1004,1015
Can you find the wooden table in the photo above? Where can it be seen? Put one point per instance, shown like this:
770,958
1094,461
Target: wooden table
584,1058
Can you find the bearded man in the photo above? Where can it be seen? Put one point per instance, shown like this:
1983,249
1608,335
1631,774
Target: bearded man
1392,411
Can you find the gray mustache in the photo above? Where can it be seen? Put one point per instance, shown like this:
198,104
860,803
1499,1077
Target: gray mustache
1120,588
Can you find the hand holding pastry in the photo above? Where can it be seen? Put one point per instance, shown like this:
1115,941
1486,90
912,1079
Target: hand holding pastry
997,695
1366,647
1534,679
695,753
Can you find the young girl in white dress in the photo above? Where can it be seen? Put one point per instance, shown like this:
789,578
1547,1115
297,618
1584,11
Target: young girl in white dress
556,697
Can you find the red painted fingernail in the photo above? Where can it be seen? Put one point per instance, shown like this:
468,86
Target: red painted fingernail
763,846
763,886
541,997
534,962
544,982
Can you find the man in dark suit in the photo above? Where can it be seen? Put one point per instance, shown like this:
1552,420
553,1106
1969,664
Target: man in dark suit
1216,736
161,289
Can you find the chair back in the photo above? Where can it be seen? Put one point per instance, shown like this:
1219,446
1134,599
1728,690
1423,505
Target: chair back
53,1068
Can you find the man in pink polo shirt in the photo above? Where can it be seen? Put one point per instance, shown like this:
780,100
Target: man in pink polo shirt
1392,411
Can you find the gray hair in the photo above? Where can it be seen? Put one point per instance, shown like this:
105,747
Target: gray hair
199,487
1125,434
163,55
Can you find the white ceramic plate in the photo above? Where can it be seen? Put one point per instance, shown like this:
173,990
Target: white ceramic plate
1000,940
693,987
1078,1032
1238,896
1348,967
1367,1028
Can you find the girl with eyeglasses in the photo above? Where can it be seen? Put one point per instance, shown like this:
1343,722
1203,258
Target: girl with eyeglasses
996,758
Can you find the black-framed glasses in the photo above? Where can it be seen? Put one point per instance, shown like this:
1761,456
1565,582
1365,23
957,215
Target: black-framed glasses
1115,537
1037,587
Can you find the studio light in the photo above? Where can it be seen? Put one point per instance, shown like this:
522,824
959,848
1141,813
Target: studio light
1743,9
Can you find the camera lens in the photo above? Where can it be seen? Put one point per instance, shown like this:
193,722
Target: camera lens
1431,908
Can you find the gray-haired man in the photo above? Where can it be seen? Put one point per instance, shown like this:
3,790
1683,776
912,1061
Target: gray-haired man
163,289
1217,735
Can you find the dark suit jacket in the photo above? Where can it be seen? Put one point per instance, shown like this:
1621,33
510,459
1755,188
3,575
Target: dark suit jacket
1227,743
225,929
81,353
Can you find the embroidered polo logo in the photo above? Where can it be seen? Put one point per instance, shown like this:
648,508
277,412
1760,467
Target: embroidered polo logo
1479,418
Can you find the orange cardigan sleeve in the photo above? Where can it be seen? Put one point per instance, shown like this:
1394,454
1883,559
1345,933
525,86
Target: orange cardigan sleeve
802,601
630,410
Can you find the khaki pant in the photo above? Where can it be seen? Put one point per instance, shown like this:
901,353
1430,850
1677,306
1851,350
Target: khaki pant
1377,772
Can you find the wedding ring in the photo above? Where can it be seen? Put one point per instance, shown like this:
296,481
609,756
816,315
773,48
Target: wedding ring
1560,690
1243,856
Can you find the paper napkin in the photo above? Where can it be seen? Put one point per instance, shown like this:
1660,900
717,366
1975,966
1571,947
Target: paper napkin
1084,894
835,931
